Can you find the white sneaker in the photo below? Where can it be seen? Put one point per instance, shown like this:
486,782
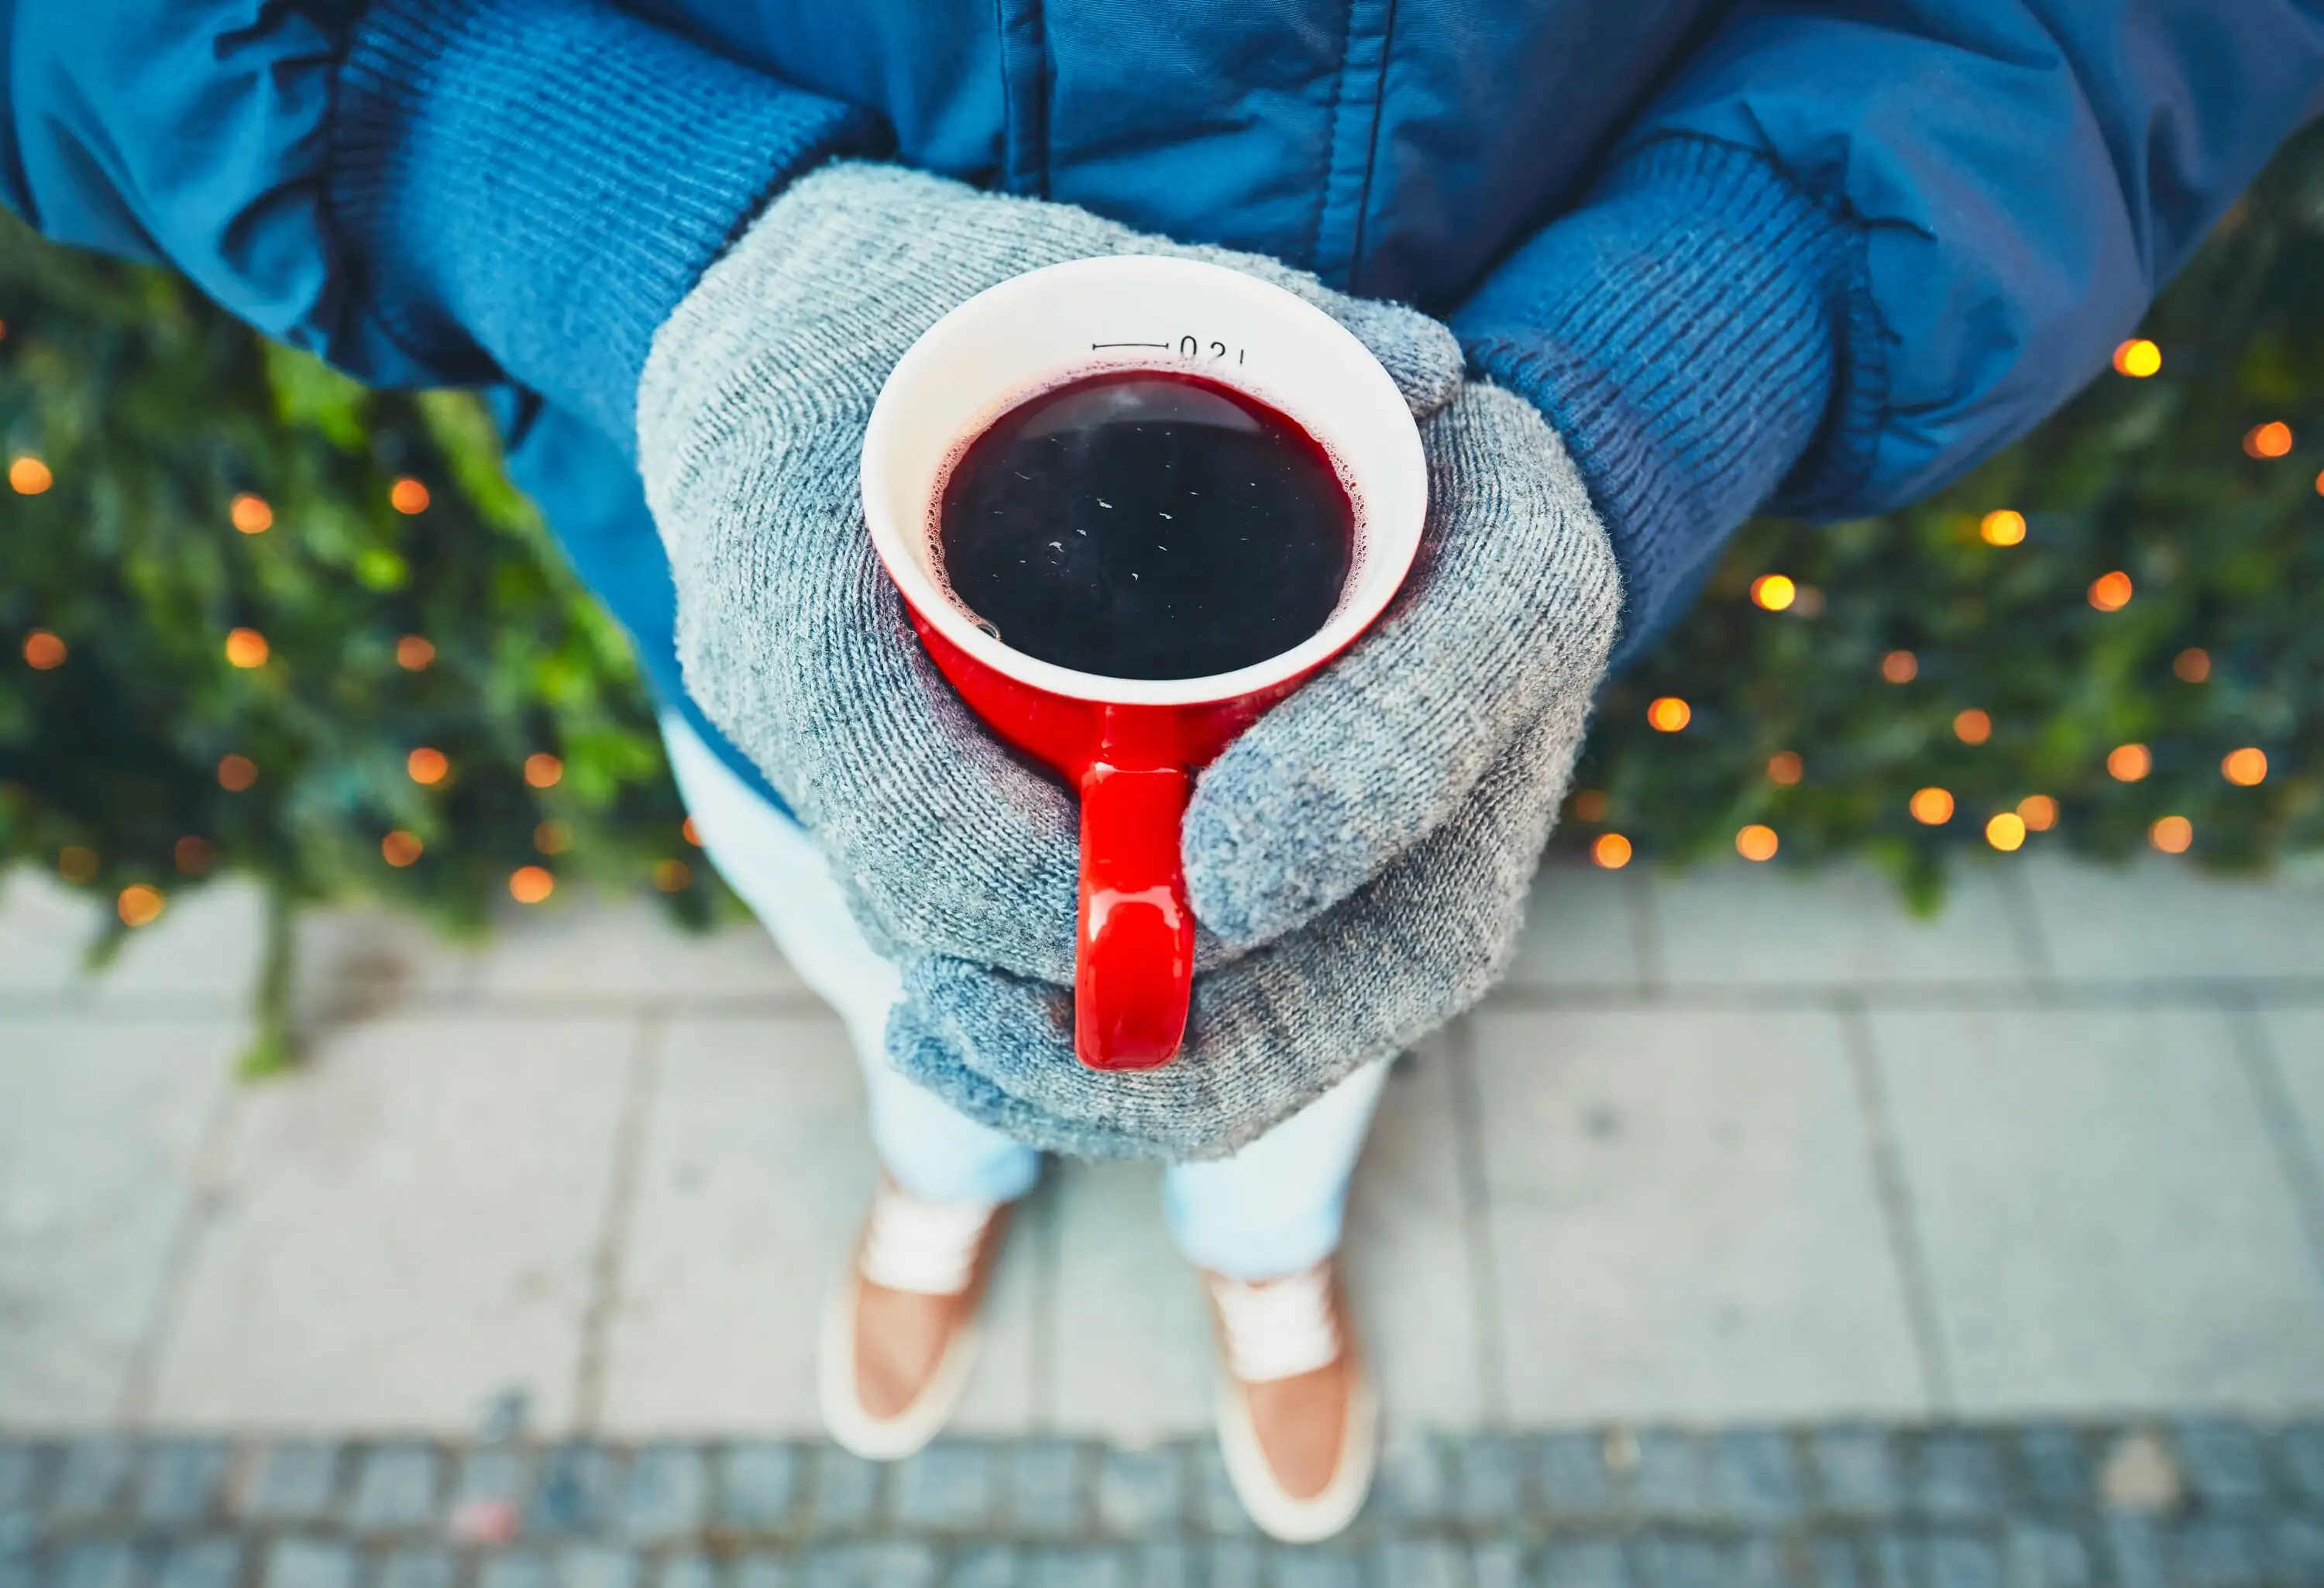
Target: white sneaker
1298,1421
899,1332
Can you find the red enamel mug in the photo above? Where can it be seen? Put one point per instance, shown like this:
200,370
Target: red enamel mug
1131,747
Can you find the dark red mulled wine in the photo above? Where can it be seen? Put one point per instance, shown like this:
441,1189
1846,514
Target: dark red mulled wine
1147,525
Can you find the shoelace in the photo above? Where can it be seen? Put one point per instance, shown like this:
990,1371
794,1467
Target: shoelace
928,1248
1279,1329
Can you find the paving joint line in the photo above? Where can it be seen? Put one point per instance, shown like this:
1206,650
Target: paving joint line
2263,1070
1897,1212
1458,1048
205,1180
609,1263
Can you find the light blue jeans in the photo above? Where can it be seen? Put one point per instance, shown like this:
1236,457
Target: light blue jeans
1274,1208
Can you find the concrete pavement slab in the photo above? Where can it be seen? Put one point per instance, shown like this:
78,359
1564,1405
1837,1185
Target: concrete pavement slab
1684,1222
2106,1222
405,1229
1741,925
2164,920
100,1123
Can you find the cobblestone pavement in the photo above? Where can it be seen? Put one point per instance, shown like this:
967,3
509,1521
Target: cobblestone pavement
2204,1504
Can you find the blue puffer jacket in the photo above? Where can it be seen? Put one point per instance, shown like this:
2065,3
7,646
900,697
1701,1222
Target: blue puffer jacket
1821,254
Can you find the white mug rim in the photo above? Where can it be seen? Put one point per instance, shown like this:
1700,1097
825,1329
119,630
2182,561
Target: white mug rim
1389,469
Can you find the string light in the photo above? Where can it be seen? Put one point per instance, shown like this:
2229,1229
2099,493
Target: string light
1612,850
2039,812
1757,843
2272,439
1786,767
552,837
44,650
246,648
2129,763
2111,592
138,905
194,855
29,476
2245,768
2005,831
672,876
1933,807
1972,727
427,766
530,884
1900,667
2193,664
249,514
2004,526
2137,358
1667,714
76,862
408,497
692,834
543,771
236,772
1773,592
400,848
2319,483
2172,834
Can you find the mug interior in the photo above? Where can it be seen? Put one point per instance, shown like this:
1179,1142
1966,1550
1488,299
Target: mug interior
1066,321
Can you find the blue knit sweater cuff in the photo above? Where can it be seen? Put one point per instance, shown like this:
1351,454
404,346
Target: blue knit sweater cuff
1683,332
527,190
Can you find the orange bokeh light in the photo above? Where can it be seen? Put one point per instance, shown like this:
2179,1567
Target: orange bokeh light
412,653
425,765
246,648
542,771
1972,727
2004,526
249,514
236,772
2192,664
138,905
1933,807
2172,834
1774,592
1757,843
2005,831
1587,805
1667,714
693,834
2272,439
530,884
672,876
2245,768
408,495
29,476
1785,767
1611,851
401,848
2111,592
44,650
1900,667
2137,358
2129,763
2039,811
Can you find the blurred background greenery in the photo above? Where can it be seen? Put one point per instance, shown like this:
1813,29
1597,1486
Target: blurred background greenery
258,620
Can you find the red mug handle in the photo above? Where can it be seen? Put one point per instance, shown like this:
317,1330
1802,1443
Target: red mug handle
1134,954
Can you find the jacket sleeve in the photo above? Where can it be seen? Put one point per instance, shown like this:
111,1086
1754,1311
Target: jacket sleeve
422,191
1855,246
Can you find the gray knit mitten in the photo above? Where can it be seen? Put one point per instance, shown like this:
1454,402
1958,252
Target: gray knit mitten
1374,835
750,419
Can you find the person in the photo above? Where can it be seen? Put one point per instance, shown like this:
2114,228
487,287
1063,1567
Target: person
1640,270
